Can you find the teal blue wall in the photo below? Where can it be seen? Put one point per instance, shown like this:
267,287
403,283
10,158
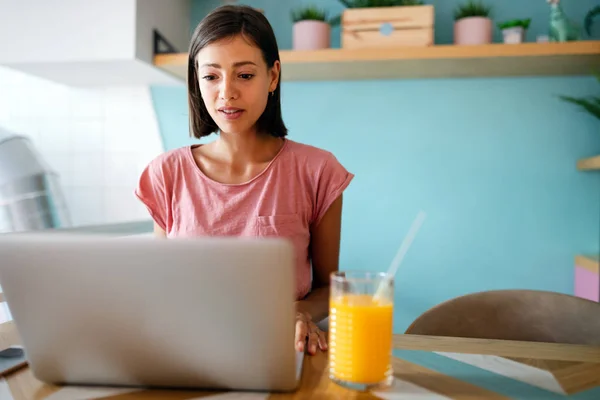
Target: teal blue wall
278,12
492,162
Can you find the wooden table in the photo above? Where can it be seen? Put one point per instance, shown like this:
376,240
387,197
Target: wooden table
548,369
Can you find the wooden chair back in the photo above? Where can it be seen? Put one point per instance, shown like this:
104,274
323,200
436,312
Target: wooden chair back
525,315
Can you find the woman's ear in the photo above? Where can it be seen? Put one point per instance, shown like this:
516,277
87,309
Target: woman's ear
275,71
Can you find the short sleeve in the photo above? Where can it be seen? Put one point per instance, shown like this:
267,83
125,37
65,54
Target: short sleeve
152,191
333,179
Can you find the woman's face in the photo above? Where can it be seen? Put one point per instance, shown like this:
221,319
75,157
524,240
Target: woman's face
235,83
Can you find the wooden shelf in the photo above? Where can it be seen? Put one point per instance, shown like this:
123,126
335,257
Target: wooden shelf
588,164
441,61
590,262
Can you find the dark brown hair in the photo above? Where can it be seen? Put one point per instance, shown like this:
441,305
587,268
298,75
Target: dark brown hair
227,22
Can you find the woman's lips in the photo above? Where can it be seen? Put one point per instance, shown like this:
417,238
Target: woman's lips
231,113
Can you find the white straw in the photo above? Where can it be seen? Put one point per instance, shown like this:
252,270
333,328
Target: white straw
410,236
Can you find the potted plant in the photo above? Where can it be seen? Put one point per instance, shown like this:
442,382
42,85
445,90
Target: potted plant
513,31
380,3
375,3
311,30
589,19
473,24
590,104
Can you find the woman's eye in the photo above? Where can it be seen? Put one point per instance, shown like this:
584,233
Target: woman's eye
208,77
246,76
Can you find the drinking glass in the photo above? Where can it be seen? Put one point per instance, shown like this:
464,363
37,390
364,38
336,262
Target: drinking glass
360,329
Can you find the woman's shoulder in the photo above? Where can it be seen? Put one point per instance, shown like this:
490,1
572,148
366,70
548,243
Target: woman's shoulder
319,165
169,159
166,168
156,184
326,176
311,155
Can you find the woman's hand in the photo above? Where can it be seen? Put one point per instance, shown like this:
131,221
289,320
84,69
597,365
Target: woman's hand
308,335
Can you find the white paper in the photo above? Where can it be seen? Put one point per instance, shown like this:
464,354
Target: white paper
401,390
5,393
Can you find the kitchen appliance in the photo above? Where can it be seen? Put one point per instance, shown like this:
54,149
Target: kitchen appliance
31,197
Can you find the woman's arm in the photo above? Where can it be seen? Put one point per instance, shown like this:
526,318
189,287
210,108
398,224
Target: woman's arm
325,250
158,231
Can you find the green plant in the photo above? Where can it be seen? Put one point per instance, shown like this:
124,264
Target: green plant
513,23
312,13
472,8
589,19
591,104
380,3
373,3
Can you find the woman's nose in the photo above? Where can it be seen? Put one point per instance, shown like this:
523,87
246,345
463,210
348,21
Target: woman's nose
227,90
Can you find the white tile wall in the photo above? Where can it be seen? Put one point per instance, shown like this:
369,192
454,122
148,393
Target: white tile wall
98,140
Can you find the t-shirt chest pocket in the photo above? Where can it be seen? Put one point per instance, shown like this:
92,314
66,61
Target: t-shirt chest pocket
282,225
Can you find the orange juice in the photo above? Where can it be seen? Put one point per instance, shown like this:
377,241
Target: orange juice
360,338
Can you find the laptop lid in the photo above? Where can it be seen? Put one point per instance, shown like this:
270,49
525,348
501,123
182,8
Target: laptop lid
194,313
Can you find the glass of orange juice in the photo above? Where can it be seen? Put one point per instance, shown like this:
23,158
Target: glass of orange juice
360,329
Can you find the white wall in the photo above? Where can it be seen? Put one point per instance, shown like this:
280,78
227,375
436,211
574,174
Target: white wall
170,18
91,43
98,140
66,30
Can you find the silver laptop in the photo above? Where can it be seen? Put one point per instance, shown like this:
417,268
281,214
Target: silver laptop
206,313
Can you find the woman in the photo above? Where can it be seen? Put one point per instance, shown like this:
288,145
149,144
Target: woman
251,180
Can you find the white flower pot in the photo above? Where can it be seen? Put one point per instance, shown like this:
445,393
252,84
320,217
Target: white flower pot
514,35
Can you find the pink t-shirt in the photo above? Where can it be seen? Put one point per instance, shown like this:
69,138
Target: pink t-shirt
288,198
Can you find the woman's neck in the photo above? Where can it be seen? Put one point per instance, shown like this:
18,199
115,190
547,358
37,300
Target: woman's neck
247,148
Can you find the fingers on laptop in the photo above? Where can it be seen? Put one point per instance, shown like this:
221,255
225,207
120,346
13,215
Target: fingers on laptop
313,341
316,339
301,332
309,336
322,340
